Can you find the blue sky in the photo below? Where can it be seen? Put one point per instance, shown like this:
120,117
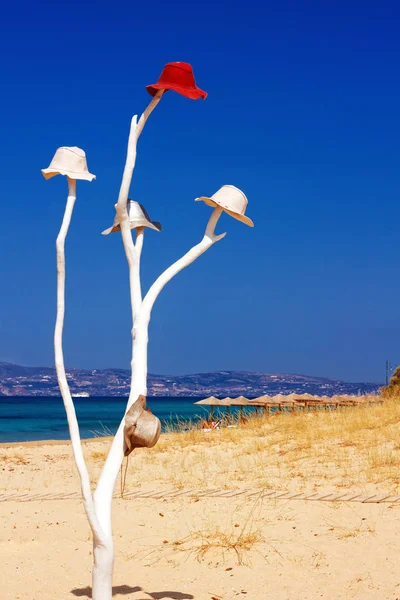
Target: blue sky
302,114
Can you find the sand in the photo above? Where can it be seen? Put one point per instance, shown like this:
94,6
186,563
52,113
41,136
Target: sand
189,547
308,551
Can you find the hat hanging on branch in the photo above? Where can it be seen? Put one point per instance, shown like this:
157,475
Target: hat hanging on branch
70,161
142,428
231,200
138,217
178,76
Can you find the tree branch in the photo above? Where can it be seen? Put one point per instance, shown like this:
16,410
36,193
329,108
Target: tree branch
60,368
148,111
139,353
139,239
122,213
208,240
132,253
109,474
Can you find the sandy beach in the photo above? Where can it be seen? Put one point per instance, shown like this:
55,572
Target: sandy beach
304,550
200,546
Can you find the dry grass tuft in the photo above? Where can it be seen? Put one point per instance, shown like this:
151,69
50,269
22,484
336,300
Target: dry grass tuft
15,457
202,542
236,533
98,455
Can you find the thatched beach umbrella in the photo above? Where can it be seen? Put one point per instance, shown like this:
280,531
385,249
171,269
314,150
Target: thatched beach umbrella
262,399
281,401
257,403
328,402
227,402
240,401
292,397
341,400
267,402
306,400
211,402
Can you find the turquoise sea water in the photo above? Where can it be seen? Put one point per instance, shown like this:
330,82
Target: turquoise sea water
24,418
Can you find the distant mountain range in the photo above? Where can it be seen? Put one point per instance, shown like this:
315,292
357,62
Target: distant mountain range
16,380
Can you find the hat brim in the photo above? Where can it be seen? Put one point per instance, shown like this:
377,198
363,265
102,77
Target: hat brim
231,213
193,94
133,225
48,173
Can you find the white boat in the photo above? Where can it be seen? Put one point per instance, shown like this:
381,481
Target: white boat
81,395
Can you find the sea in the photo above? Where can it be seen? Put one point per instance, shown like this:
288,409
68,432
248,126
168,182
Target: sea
28,418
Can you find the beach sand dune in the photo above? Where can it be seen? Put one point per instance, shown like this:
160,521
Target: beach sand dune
196,546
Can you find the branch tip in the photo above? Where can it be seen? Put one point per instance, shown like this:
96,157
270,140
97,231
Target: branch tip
216,238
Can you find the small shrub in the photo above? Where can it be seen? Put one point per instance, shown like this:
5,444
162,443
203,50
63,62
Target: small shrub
393,389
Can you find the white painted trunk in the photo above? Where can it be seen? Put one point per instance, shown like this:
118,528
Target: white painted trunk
103,569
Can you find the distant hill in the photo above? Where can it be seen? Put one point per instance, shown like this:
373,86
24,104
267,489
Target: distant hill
16,380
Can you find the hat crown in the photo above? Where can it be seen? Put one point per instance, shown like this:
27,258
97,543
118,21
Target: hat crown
137,216
70,158
136,212
178,73
70,161
231,198
178,76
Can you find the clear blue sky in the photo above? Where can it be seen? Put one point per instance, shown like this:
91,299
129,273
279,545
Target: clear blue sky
303,114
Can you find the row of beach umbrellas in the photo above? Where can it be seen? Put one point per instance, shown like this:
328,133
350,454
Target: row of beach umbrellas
292,400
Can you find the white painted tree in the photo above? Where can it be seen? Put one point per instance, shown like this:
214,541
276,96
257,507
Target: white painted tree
137,427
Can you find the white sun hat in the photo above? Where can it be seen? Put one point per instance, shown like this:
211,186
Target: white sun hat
231,200
70,161
138,217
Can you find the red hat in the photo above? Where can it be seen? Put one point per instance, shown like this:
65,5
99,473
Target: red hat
178,76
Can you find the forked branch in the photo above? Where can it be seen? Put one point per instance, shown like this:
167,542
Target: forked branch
133,252
208,240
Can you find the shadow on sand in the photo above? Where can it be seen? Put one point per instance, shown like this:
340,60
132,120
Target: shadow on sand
126,589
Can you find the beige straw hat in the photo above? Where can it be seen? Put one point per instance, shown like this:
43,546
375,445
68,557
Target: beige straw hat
138,217
231,200
70,161
142,429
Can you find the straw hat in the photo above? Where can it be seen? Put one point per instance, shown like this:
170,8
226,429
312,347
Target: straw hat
178,76
70,161
231,200
138,217
142,428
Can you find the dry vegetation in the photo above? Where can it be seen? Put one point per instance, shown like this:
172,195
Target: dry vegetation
216,537
356,448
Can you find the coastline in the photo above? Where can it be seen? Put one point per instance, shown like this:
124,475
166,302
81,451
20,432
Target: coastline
45,420
40,443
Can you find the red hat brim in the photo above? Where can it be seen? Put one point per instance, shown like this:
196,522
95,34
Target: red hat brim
193,94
